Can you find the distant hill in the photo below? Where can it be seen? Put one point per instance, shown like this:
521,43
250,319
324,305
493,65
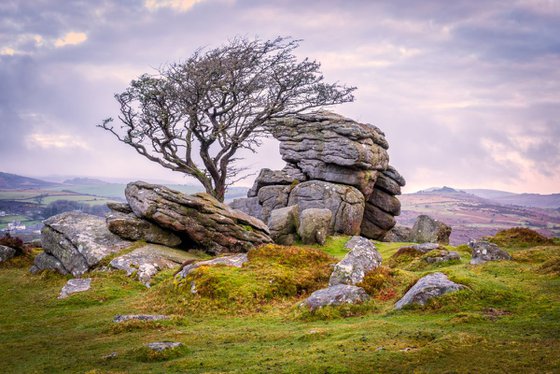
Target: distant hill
84,181
439,190
472,217
535,200
489,194
17,182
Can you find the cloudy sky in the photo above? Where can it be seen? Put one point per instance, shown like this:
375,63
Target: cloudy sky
467,92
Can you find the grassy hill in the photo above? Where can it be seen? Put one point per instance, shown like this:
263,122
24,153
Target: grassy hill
507,320
16,182
473,217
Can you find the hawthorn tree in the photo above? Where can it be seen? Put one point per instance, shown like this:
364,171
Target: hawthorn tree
193,116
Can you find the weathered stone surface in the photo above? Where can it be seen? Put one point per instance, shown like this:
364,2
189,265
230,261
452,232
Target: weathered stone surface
426,247
378,217
441,255
376,222
273,197
417,250
250,206
483,251
149,260
336,295
235,260
119,207
363,180
345,202
45,261
163,346
295,172
139,317
130,227
390,181
269,177
207,222
314,225
386,202
6,253
326,146
362,258
74,286
392,173
398,234
427,229
283,224
430,286
371,230
79,241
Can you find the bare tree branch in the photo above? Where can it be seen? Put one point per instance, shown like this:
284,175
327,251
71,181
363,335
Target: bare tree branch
193,116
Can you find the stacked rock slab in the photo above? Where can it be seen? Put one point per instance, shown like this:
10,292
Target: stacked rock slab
200,218
335,163
383,205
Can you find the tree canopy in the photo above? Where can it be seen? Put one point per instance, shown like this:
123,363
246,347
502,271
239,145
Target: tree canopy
193,116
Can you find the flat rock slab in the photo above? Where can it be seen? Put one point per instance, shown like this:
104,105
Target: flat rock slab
430,286
74,286
78,241
130,227
327,146
139,317
483,251
363,257
149,260
234,260
442,255
336,295
210,224
163,346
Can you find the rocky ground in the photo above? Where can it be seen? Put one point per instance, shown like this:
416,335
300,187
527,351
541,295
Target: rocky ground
495,316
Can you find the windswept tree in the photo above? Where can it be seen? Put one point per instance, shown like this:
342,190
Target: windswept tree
193,116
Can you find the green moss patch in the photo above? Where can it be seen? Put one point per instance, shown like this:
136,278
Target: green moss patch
272,273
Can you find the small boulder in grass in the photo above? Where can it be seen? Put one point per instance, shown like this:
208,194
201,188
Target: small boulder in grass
362,258
441,255
430,286
236,260
483,251
336,295
139,317
163,346
74,286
